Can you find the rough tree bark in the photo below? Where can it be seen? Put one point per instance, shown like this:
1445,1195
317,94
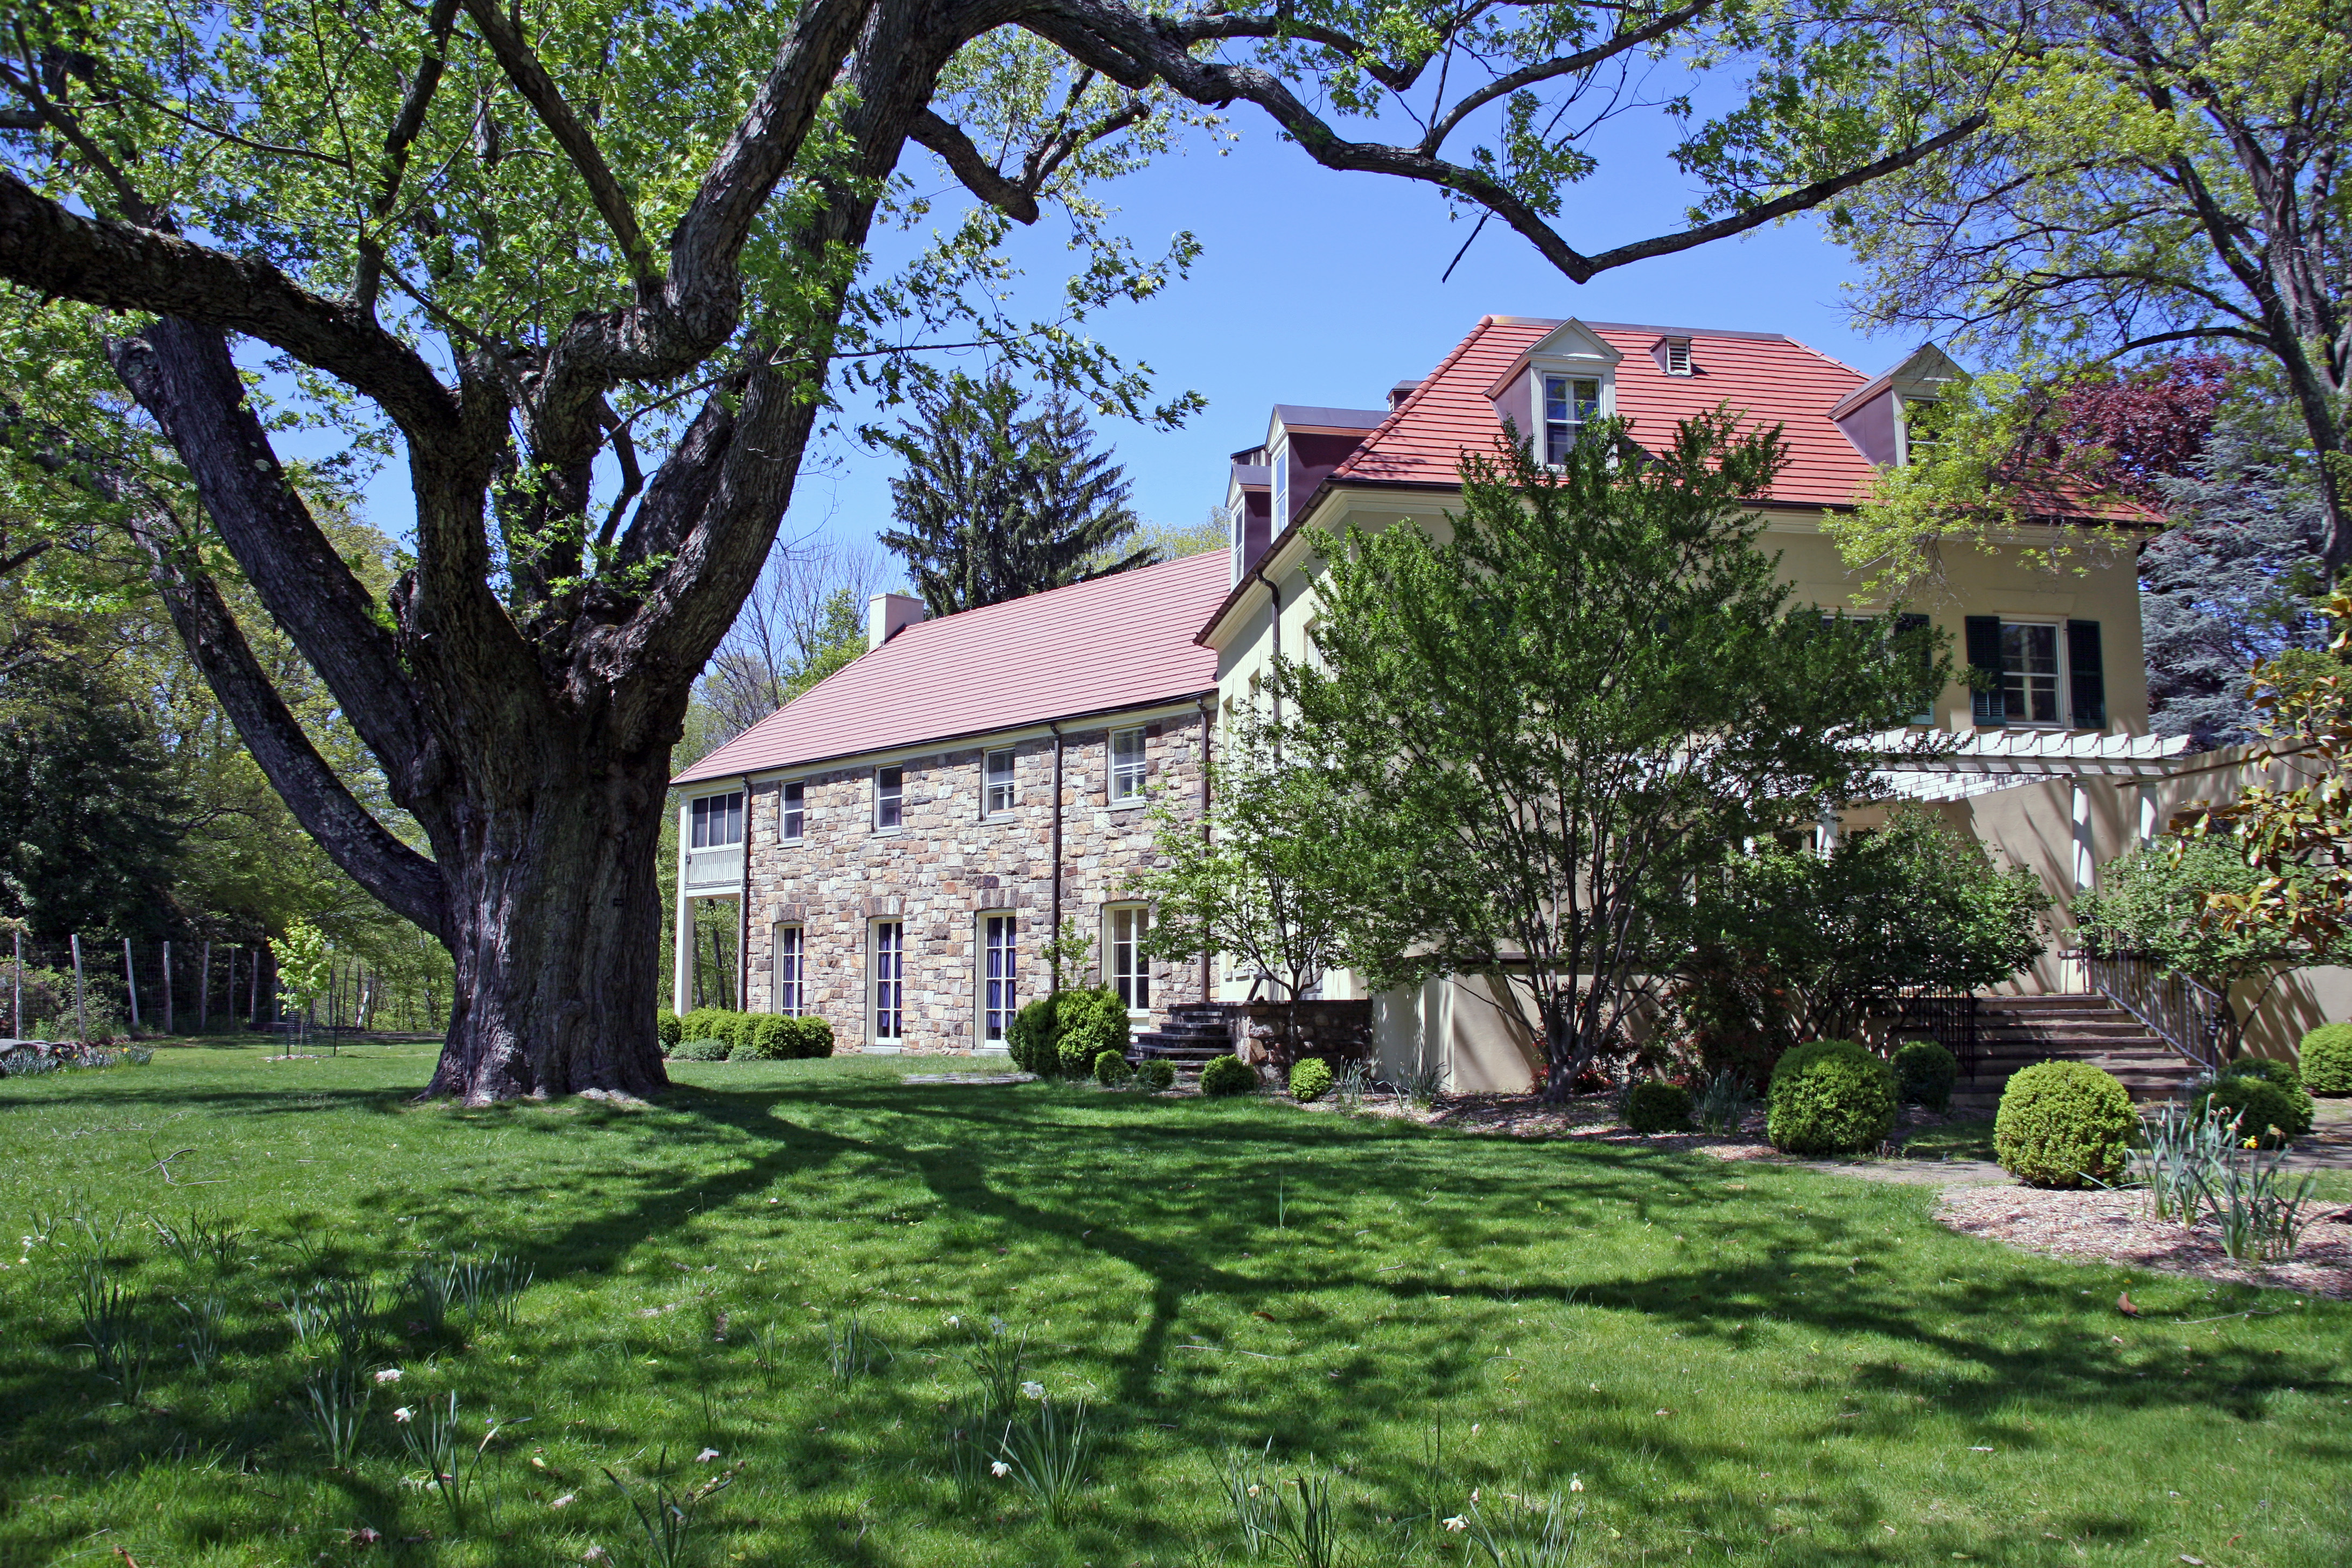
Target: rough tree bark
522,706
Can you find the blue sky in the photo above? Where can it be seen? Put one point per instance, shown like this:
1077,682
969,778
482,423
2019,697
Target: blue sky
1322,288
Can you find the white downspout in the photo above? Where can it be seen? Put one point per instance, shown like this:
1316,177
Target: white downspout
682,981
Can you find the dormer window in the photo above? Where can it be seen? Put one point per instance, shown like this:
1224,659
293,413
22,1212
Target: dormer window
1569,402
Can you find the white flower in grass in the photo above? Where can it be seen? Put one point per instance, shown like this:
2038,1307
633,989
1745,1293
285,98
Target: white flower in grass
1033,1391
564,1501
705,1457
1254,1491
954,1321
1575,1485
388,1375
403,1416
595,1554
999,1469
1457,1523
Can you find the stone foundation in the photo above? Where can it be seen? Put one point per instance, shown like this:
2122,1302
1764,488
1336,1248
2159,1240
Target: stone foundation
1337,1032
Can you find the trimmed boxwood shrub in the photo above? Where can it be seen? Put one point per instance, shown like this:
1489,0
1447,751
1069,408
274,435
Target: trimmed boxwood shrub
701,1051
1228,1075
1830,1097
665,1028
1156,1074
1653,1105
2264,1112
1033,1036
2062,1124
762,1038
812,1035
1925,1073
1092,1020
1111,1071
2326,1059
1310,1080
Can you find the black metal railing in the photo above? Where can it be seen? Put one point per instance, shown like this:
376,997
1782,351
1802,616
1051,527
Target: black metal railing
1946,1017
2186,1013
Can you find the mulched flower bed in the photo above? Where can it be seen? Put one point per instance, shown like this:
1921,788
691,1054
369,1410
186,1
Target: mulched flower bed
2112,1228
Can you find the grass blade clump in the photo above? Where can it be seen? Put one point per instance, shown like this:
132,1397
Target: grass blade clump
435,1443
666,1514
202,1317
488,1285
1048,1458
2185,1152
2258,1213
201,1240
335,1403
853,1350
1527,1536
122,1344
998,1360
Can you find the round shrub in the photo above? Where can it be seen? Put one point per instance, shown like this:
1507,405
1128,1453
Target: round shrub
1111,1071
2263,1110
2062,1124
1092,1020
701,1051
1156,1074
665,1028
1830,1097
762,1038
1228,1075
1653,1105
2326,1054
1310,1080
1925,1073
811,1036
2287,1081
1032,1037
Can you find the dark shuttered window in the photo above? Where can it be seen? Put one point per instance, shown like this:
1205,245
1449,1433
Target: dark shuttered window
2087,675
1983,636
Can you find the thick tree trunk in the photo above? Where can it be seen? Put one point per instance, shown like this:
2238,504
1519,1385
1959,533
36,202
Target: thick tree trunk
555,924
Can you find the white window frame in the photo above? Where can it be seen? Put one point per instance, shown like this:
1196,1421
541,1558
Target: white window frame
1127,968
1903,406
1279,497
791,820
885,983
1137,771
894,800
999,966
1540,381
2011,718
990,805
788,969
700,834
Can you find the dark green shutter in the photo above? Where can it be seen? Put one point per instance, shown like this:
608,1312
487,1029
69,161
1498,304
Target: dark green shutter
2087,672
1908,626
1984,664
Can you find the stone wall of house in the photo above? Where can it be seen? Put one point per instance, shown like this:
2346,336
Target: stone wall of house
947,865
1336,1031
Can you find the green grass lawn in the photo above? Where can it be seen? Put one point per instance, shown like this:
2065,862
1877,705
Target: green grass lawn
1734,1362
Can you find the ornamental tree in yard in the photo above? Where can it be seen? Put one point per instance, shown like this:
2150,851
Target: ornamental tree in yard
594,266
1556,717
1278,878
1833,940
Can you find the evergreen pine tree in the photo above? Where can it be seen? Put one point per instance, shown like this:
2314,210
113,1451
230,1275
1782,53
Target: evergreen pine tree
997,502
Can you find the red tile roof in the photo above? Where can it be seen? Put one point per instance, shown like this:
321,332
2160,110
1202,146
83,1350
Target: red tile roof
1124,641
1768,378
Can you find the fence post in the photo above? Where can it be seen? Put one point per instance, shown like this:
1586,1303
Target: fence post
131,983
168,1019
82,1007
205,987
16,990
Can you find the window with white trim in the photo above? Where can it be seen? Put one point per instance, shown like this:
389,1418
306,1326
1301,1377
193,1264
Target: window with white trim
2045,673
999,794
791,971
889,968
1000,945
716,820
792,813
1569,403
889,795
2029,673
1128,767
1129,966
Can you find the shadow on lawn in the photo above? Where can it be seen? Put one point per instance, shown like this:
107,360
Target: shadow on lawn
1173,1192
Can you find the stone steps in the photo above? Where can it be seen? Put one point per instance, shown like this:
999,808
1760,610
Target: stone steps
1192,1034
2015,1032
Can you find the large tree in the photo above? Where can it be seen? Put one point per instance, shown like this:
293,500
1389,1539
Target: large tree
996,502
591,268
1553,719
2153,174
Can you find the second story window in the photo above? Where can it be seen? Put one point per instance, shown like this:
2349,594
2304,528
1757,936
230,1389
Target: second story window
2029,673
717,820
2045,672
1127,767
1569,404
999,794
792,813
889,794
